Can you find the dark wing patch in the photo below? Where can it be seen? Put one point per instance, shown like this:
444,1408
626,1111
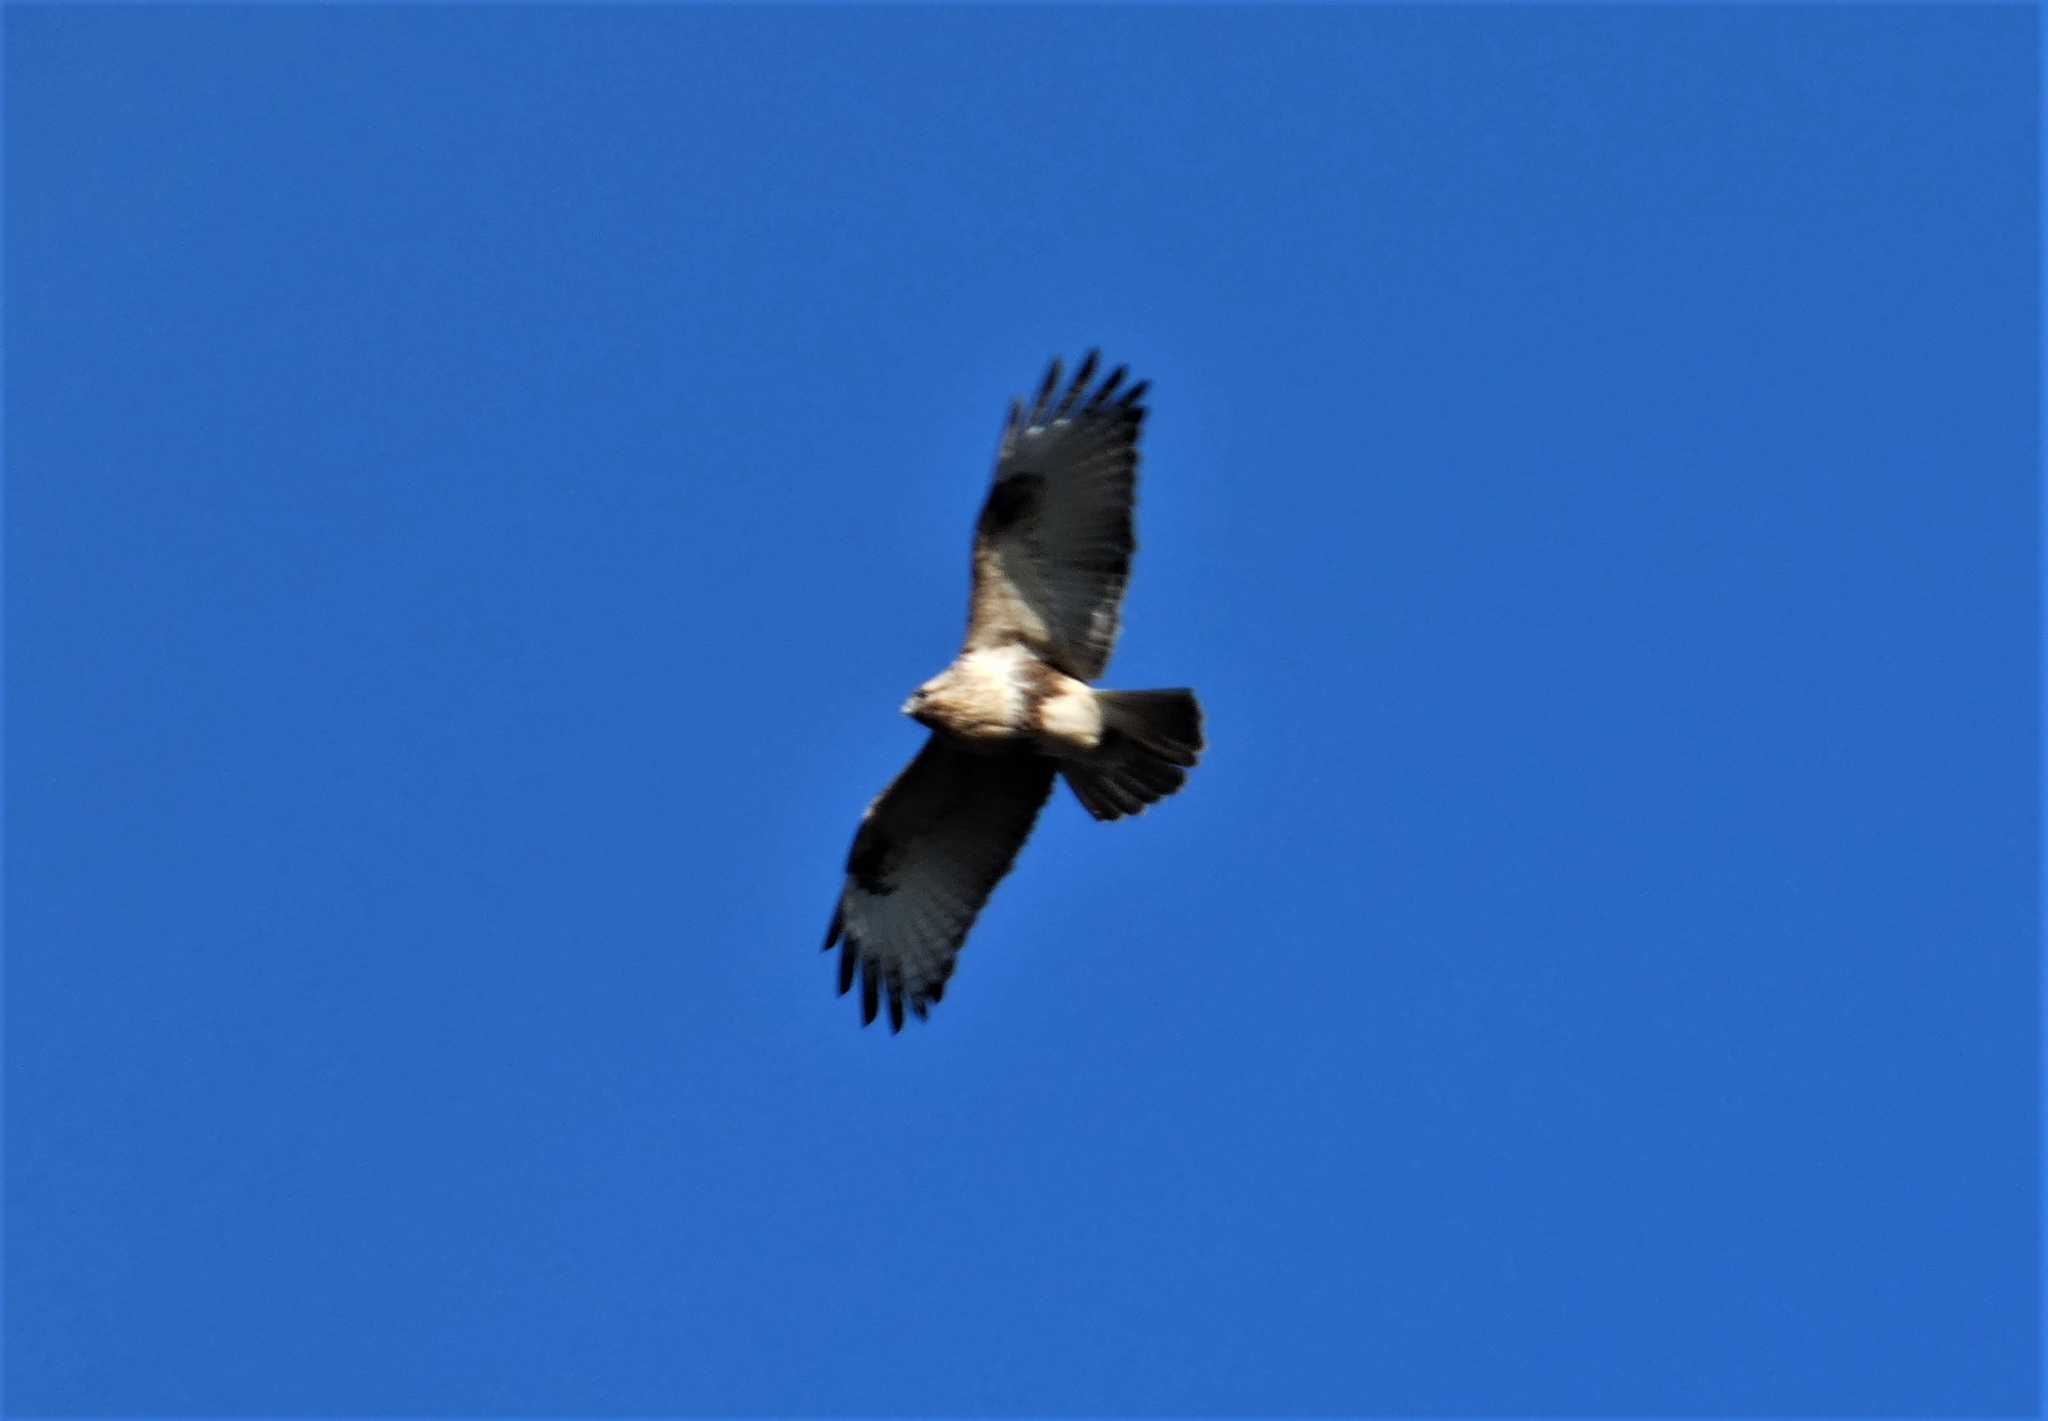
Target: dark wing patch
930,850
1053,546
867,863
1009,503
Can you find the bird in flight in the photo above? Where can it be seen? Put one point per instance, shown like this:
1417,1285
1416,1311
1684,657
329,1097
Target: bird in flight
1052,552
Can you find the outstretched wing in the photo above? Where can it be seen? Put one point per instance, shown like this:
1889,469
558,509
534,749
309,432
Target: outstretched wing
930,850
1052,551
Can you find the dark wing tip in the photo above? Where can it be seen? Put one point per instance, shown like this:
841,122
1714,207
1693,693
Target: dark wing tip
1108,387
1045,389
1082,376
838,926
1041,409
869,1001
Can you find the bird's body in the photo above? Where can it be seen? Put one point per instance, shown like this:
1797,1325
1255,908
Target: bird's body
1002,695
1052,553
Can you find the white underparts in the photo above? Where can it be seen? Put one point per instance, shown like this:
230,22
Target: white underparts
982,695
1002,692
992,681
1071,717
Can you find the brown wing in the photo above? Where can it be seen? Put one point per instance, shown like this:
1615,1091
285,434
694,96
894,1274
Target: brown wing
930,850
1052,550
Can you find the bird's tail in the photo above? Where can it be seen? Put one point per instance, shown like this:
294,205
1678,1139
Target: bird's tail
1149,740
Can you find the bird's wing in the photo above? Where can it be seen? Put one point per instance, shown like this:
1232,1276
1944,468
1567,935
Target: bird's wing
1052,550
930,850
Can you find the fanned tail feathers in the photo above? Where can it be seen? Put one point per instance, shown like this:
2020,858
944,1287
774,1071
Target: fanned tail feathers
1150,739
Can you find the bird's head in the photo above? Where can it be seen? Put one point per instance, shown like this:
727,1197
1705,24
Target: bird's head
924,702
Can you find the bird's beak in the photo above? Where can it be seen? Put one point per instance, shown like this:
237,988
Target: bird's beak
911,706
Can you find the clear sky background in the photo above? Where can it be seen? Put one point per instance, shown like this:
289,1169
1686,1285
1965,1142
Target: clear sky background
480,483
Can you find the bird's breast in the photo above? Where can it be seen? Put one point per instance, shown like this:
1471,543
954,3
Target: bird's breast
987,694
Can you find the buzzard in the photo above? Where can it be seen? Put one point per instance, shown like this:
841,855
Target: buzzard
1052,552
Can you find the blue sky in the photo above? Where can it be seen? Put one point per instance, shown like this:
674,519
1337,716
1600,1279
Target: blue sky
481,481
